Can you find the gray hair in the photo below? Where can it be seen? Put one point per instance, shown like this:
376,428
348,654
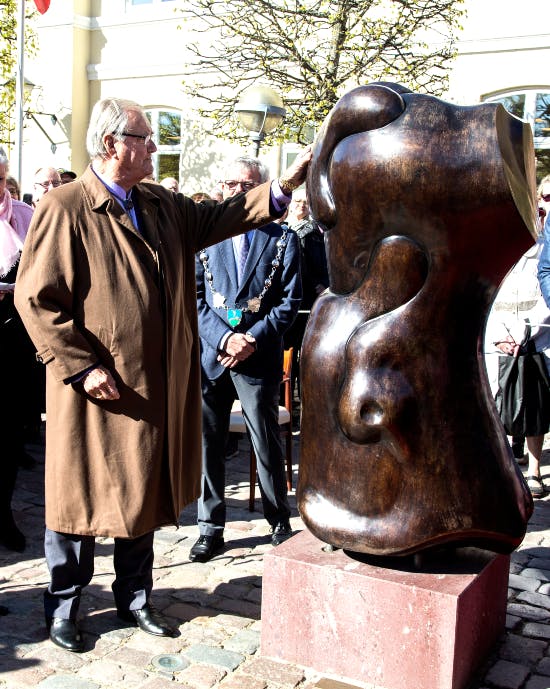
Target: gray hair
250,164
109,116
3,157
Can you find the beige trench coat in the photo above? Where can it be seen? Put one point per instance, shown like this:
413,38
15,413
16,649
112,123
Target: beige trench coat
90,289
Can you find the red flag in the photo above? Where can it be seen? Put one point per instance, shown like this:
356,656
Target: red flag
42,5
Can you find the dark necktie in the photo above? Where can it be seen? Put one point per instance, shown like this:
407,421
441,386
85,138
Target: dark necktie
242,254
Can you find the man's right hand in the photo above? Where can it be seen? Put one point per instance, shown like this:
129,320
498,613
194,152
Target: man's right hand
237,348
100,384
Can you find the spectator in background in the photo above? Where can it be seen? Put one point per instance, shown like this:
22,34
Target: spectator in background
200,196
170,183
66,175
314,269
216,193
45,178
13,188
16,356
543,196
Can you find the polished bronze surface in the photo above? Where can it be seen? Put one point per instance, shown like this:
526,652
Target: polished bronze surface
426,206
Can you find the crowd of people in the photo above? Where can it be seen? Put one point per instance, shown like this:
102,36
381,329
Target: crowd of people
151,312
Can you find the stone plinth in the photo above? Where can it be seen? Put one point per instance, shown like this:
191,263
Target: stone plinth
394,627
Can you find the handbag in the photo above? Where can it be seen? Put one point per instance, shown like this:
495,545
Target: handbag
523,395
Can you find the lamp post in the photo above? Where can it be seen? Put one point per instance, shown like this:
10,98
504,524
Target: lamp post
260,111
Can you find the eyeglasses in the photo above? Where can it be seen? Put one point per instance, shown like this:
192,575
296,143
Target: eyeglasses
245,186
50,183
146,138
545,197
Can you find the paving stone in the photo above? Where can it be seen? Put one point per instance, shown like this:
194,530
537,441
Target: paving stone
132,656
506,675
537,630
543,668
157,683
246,608
212,655
522,650
67,682
528,612
235,681
537,682
254,595
274,672
512,622
245,641
23,677
534,573
233,590
184,612
58,659
201,676
538,599
516,581
116,673
168,536
232,622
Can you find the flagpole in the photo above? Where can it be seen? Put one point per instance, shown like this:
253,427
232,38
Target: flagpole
16,161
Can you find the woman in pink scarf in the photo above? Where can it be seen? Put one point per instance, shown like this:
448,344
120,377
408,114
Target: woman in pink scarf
16,356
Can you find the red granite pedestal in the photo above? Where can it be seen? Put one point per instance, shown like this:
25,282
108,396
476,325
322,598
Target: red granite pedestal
395,628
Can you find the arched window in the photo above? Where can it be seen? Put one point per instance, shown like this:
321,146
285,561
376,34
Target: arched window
166,126
533,106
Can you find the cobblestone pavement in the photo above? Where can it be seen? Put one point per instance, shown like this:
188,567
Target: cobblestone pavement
217,608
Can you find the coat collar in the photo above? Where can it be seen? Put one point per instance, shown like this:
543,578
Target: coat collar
101,199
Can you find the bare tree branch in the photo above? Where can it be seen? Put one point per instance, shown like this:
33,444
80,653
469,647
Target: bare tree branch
311,51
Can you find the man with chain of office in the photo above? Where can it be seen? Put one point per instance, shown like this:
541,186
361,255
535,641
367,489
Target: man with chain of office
248,294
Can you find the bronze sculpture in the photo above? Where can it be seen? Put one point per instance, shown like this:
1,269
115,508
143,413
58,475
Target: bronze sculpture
426,206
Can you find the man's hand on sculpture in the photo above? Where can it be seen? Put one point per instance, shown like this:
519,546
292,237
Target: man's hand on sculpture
100,384
295,175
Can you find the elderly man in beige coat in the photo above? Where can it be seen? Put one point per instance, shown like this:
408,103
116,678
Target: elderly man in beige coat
106,289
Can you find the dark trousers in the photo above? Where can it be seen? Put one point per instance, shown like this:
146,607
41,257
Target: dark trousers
260,405
70,559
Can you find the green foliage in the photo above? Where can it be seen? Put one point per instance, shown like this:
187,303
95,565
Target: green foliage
8,63
312,51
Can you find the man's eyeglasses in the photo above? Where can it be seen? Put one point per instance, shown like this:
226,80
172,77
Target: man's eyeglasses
245,186
545,197
49,183
146,138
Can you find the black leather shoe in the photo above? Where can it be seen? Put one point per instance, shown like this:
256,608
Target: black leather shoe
149,620
280,532
205,548
65,634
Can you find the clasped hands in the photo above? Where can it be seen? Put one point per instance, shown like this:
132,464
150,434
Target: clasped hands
238,347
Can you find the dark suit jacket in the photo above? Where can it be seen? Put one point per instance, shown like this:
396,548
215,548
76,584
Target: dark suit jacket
278,308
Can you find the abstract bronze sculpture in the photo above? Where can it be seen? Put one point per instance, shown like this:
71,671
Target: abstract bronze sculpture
426,206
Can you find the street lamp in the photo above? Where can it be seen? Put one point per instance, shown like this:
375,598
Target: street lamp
260,111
